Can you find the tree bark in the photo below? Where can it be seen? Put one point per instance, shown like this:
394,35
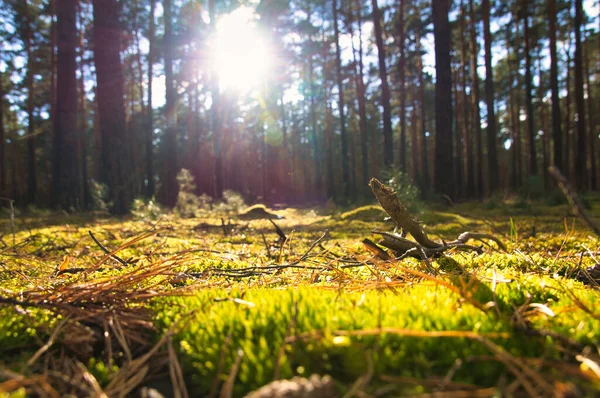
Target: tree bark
116,165
31,159
2,140
533,169
424,184
467,130
580,149
444,181
150,185
67,192
402,82
314,132
556,121
347,189
360,94
170,172
492,155
476,120
83,127
388,144
591,119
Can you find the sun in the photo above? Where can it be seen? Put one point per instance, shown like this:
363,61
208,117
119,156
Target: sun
240,53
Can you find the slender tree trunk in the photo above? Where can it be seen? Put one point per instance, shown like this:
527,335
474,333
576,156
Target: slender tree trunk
331,191
31,161
476,98
360,93
117,165
492,135
388,153
215,112
150,185
580,149
567,120
402,82
138,57
2,140
556,129
444,181
347,189
458,126
83,143
414,146
591,122
542,110
533,168
314,132
513,109
425,182
467,128
66,184
170,183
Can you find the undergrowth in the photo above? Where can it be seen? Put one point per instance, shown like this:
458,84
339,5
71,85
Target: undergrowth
191,304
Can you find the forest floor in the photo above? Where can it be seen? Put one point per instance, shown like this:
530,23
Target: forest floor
205,307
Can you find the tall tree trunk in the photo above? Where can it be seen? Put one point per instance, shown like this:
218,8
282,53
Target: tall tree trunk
116,153
360,94
458,126
314,132
388,144
402,80
444,181
467,131
331,191
150,185
580,149
215,112
533,169
344,136
513,109
567,118
492,155
544,122
83,127
476,120
414,145
424,183
67,188
591,122
2,140
31,161
170,173
556,121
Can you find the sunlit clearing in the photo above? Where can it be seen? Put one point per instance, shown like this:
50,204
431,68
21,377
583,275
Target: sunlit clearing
240,54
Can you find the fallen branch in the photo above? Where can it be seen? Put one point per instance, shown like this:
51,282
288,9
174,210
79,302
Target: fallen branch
422,247
573,199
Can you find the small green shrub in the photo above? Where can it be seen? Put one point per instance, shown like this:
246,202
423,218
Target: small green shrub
187,201
143,209
232,203
99,193
408,193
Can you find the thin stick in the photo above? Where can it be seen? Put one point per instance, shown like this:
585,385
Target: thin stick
105,250
573,199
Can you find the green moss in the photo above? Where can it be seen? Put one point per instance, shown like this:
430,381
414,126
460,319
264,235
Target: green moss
537,272
365,213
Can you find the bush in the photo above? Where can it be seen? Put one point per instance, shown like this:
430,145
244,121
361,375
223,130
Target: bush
232,203
408,193
187,201
142,209
99,194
